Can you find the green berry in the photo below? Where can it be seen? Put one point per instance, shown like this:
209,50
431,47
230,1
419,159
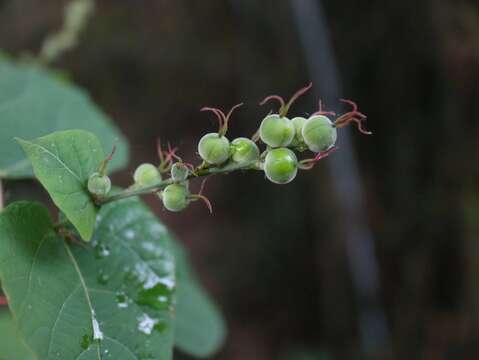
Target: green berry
298,123
244,150
98,184
276,131
319,133
147,175
179,172
175,197
214,148
281,165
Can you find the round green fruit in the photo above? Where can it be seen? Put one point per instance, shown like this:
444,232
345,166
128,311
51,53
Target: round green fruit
147,175
98,184
175,197
214,148
281,165
298,123
179,172
244,150
276,131
319,133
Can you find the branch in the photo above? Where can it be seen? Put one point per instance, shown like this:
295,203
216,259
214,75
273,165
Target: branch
76,15
199,172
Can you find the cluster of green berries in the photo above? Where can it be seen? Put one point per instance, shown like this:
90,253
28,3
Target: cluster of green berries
282,136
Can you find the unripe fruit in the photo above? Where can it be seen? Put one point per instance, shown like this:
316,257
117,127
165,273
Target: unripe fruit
244,150
98,184
281,165
276,131
147,175
319,133
214,149
179,172
298,123
175,197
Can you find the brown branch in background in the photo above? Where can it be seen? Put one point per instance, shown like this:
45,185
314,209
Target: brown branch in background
75,19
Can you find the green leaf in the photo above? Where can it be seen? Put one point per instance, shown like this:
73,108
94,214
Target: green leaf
63,162
33,103
111,299
200,329
11,345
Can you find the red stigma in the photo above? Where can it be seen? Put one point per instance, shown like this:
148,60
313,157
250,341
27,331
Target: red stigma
219,114
322,112
352,116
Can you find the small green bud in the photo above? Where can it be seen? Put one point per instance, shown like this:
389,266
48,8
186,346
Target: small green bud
276,131
214,148
244,150
98,184
175,197
147,175
319,133
179,172
281,165
298,123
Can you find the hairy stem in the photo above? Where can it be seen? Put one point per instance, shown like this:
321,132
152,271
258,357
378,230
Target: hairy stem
199,172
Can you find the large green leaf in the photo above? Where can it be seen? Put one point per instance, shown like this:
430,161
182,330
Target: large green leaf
63,162
34,103
11,346
110,300
200,329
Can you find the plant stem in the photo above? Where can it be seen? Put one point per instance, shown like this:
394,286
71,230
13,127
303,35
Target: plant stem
76,14
199,172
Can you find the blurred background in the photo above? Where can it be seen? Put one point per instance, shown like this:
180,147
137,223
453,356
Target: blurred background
372,255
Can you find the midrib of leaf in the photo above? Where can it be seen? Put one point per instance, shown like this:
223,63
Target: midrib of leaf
57,159
85,290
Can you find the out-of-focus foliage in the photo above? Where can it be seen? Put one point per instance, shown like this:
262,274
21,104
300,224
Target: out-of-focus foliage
33,102
282,275
11,344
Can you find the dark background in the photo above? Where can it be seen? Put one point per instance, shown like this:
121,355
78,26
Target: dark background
282,261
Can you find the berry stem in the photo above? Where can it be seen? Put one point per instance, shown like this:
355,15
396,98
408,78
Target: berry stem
203,198
199,172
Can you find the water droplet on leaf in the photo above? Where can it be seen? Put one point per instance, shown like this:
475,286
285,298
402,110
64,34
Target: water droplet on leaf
101,251
103,278
156,297
122,300
146,324
85,342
